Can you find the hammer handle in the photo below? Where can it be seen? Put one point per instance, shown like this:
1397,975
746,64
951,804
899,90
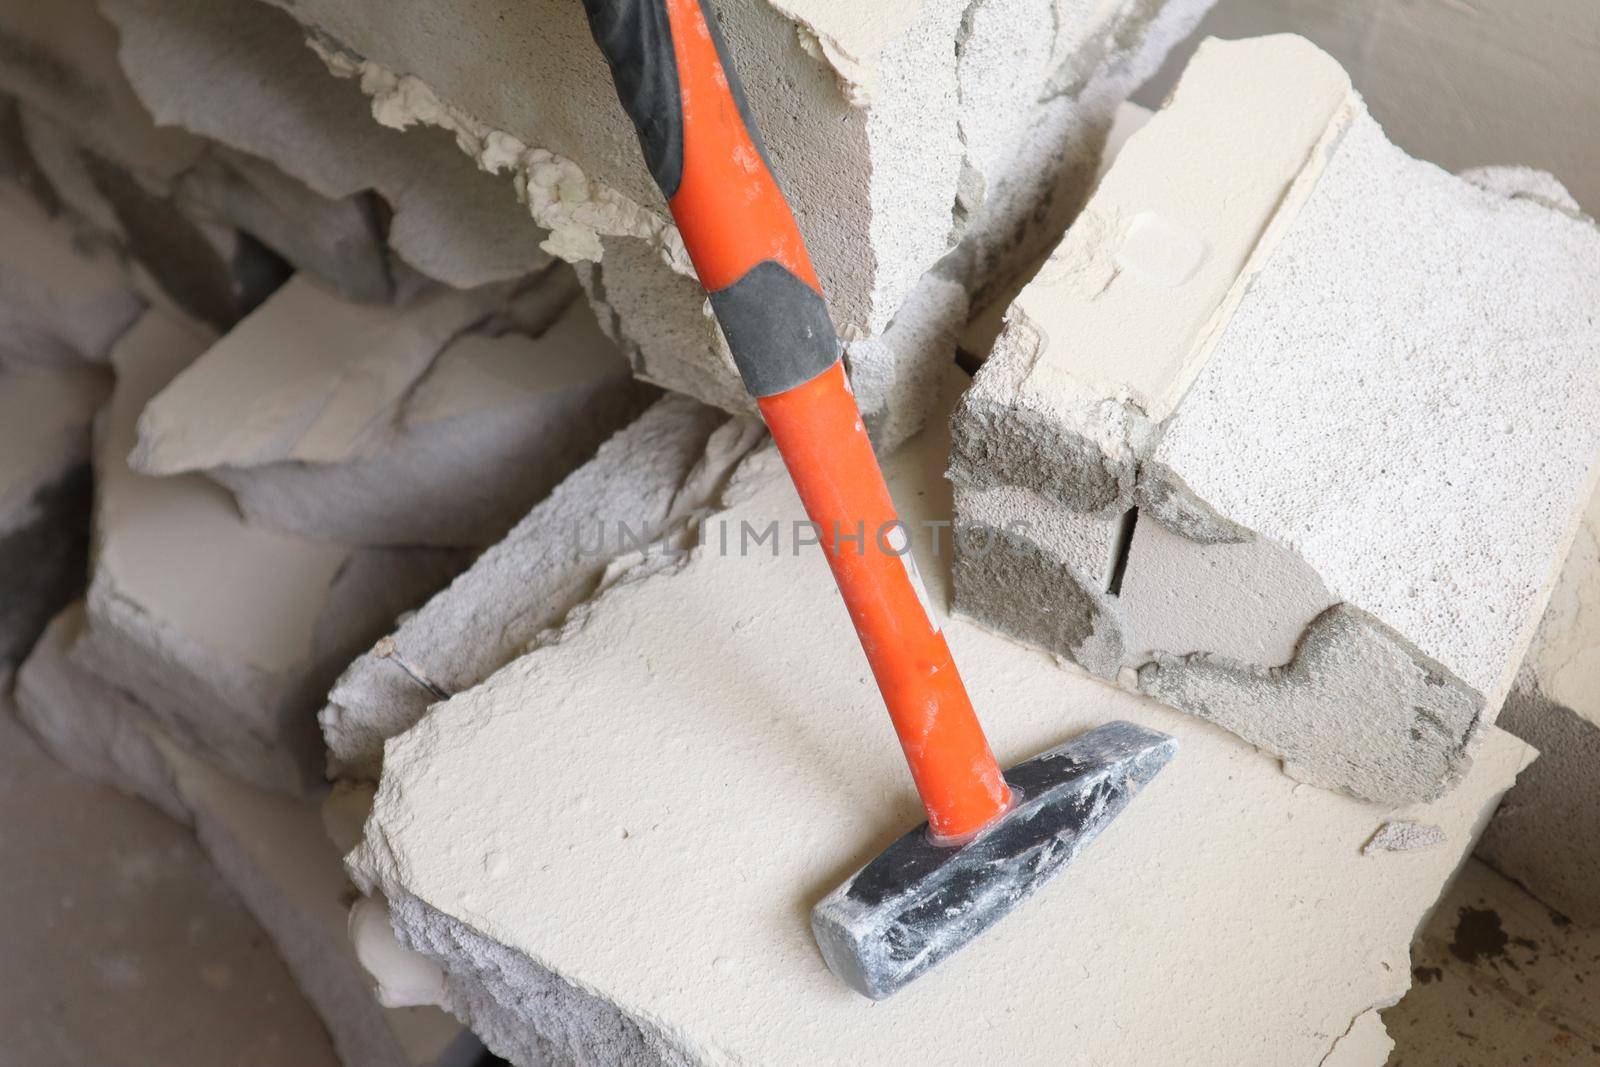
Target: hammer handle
676,81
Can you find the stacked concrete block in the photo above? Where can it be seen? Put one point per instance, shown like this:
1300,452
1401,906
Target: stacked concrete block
932,150
1291,431
520,824
640,495
394,425
273,851
1544,834
228,633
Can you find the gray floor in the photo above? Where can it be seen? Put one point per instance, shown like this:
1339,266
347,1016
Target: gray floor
1498,979
121,947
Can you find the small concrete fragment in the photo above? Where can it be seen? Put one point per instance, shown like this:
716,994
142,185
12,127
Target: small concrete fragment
272,851
1253,459
1404,836
642,487
734,786
482,433
228,634
45,495
1544,834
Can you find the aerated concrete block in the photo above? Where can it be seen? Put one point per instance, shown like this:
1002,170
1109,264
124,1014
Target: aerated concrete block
273,851
44,496
1544,834
907,134
1291,431
227,633
640,492
708,739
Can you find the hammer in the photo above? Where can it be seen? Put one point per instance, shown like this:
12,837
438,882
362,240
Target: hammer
990,838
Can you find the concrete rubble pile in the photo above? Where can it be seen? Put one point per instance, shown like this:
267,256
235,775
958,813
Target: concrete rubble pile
379,489
253,415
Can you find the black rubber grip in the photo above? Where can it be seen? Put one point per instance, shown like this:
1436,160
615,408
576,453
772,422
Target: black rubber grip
777,328
636,39
635,36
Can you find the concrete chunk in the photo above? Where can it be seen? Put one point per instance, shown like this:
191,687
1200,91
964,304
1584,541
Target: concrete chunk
307,378
272,851
1253,433
44,496
483,433
646,484
228,634
733,787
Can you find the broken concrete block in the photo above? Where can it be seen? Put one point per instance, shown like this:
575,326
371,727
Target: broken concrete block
1251,441
898,137
62,301
306,378
1543,835
228,634
272,851
469,433
645,484
733,784
44,496
239,73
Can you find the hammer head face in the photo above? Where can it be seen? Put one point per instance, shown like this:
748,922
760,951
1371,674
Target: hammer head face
919,901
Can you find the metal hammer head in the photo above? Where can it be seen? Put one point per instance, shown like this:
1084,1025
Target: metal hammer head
919,901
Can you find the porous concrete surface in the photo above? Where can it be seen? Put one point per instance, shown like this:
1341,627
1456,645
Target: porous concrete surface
128,947
227,633
1259,443
613,845
62,302
1544,835
638,496
473,432
45,493
896,133
272,851
1499,979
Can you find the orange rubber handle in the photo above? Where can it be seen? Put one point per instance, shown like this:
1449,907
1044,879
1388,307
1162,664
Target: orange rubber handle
673,76
818,430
